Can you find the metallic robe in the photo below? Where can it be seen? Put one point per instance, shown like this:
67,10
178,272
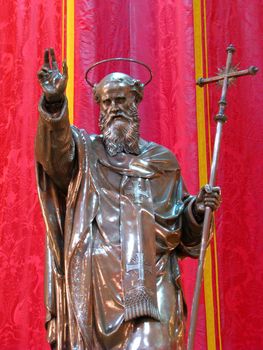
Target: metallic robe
115,228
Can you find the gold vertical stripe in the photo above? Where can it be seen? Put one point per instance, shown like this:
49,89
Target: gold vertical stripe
70,56
201,138
210,152
62,31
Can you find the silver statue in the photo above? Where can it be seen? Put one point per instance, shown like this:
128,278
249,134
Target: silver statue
118,217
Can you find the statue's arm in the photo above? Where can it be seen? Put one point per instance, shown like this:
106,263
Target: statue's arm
54,146
193,214
191,224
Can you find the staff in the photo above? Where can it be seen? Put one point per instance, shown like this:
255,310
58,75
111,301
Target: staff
220,119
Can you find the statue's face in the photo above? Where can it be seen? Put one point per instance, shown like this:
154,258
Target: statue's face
116,101
119,118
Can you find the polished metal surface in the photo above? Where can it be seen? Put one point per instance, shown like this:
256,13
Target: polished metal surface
118,217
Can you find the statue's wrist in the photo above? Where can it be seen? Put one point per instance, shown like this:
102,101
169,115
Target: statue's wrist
54,99
53,105
199,216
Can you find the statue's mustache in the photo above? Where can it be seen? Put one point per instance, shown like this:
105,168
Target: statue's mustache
129,115
120,114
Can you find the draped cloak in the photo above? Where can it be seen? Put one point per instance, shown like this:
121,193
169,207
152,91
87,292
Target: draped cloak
101,214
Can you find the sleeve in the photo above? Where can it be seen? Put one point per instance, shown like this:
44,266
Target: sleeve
192,229
191,237
54,144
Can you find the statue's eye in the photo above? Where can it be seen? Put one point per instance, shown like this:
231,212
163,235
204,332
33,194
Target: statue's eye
107,102
120,100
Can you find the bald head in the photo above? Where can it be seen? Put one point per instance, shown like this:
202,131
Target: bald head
118,82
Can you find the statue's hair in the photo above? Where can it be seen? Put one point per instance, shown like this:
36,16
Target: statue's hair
122,80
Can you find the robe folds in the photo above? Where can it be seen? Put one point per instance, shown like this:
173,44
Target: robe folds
115,228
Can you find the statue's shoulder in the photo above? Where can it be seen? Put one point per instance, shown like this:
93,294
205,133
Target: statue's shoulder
162,148
78,132
158,153
157,149
95,138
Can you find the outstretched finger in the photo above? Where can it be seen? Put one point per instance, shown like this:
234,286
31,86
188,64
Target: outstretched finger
65,68
46,59
53,59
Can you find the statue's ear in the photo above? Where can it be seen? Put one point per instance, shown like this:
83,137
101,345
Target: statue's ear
138,85
96,94
139,88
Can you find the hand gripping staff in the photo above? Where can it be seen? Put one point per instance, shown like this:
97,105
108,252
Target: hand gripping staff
225,76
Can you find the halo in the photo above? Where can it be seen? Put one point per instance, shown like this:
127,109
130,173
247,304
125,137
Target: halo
118,59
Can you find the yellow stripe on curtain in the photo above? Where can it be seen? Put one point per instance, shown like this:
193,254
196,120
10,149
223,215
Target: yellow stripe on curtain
215,261
202,159
70,55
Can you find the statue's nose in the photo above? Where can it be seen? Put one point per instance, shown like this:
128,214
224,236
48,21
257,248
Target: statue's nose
114,107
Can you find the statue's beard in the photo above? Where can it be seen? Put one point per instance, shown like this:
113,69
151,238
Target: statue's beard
120,131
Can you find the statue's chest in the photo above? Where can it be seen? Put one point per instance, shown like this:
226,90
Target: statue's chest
113,189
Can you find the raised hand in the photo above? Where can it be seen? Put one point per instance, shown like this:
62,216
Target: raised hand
52,81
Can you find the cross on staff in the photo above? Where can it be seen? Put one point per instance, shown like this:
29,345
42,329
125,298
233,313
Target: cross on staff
252,70
228,73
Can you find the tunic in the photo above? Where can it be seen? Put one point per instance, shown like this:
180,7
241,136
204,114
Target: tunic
115,226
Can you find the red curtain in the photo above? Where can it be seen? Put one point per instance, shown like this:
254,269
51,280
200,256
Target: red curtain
26,28
240,220
163,34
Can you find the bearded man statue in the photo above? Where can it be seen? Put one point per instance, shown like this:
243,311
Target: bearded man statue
118,217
